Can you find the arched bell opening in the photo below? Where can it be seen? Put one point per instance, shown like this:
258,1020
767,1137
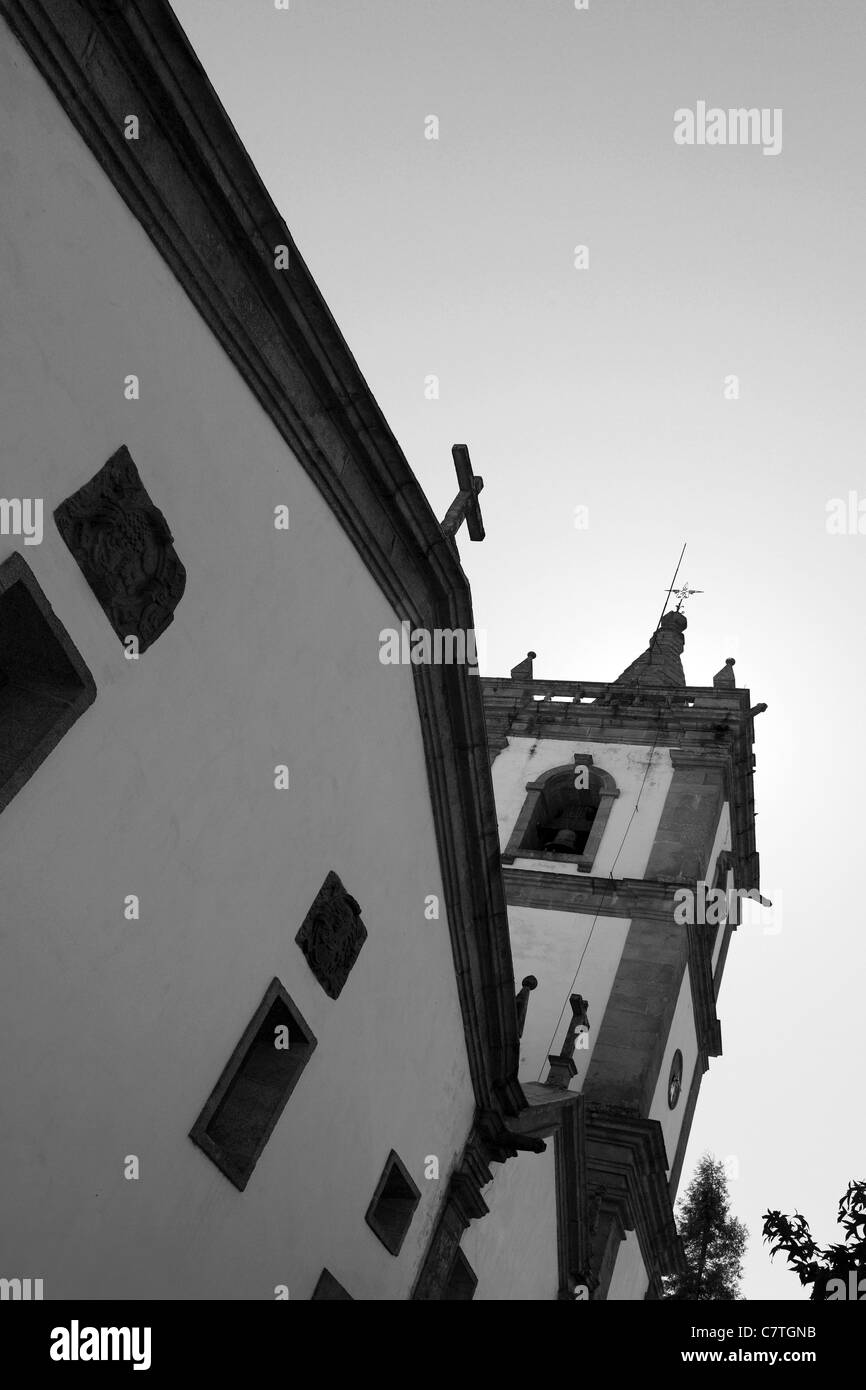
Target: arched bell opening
565,818
564,815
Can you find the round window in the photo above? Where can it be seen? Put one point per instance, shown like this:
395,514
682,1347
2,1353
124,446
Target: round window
675,1080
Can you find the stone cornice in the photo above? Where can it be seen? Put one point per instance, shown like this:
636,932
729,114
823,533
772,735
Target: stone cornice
194,190
590,893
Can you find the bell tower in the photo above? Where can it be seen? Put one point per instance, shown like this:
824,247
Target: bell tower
620,805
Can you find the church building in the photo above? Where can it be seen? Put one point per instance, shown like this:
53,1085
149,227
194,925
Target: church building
322,976
615,803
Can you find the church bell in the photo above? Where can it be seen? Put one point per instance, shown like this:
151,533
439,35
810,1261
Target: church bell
563,842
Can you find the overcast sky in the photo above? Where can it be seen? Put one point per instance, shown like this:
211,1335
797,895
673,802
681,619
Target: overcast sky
604,388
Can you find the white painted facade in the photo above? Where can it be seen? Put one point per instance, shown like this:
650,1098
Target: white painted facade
629,1281
165,789
579,953
568,953
513,1250
524,760
576,952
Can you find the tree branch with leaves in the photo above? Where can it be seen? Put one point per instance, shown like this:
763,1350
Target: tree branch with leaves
827,1269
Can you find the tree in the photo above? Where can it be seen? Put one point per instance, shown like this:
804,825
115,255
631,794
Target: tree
835,1262
713,1240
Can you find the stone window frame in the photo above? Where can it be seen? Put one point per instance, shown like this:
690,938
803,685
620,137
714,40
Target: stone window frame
462,1280
73,698
330,1290
200,1132
388,1231
608,792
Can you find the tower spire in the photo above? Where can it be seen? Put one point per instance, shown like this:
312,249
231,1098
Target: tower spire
660,664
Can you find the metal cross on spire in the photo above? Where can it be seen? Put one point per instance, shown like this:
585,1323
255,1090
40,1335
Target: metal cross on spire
465,505
682,594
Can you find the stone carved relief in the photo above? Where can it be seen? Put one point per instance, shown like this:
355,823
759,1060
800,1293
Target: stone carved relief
124,549
331,935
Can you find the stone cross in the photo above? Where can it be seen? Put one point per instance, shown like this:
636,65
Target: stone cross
465,505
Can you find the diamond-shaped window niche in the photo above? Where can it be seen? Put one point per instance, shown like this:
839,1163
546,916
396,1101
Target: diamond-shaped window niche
393,1206
242,1110
44,684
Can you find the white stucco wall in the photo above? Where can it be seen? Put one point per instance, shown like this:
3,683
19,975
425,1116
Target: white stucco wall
682,1035
629,1281
513,1249
551,946
525,759
165,789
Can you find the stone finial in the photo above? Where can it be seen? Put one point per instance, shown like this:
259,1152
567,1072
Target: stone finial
562,1064
579,1023
523,670
521,1001
660,664
724,679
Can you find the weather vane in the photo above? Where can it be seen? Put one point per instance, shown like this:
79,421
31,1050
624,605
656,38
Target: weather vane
682,594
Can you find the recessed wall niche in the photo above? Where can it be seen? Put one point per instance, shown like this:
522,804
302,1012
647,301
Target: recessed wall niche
390,1212
462,1281
330,1290
242,1110
124,549
45,685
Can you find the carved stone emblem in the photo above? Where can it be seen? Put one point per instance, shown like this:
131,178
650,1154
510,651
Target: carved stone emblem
331,935
124,548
